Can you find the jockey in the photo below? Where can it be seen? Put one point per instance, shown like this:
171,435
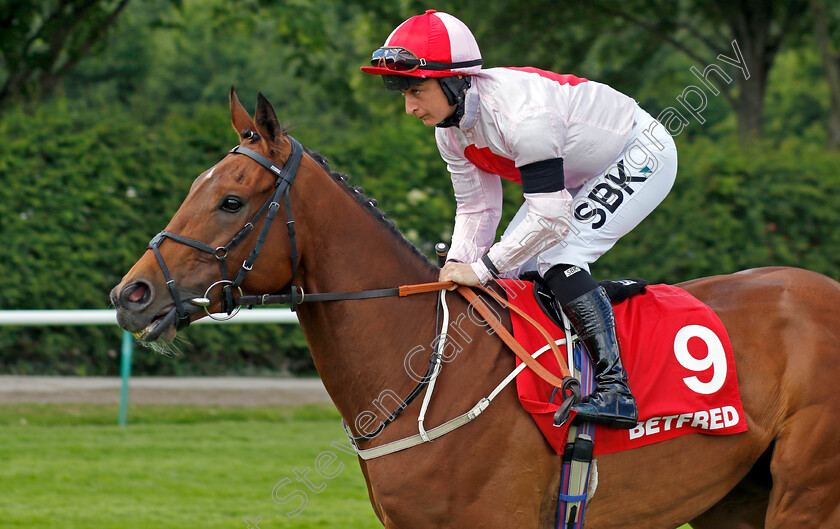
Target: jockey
591,162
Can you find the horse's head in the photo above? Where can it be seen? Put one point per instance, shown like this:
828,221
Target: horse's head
212,241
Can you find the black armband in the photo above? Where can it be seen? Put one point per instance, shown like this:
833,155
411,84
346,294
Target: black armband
543,177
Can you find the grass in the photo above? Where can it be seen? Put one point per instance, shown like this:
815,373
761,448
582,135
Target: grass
69,466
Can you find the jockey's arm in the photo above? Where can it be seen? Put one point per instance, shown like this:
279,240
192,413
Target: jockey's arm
478,197
536,145
545,224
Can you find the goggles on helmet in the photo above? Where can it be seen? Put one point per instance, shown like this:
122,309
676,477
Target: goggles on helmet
399,59
396,59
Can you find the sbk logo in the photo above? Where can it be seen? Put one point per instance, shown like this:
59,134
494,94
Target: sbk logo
604,199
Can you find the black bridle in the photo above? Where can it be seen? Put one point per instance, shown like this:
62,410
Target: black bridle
285,178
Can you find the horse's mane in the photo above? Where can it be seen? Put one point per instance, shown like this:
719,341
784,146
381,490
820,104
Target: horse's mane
369,205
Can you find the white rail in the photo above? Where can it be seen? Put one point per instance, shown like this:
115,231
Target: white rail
43,318
38,318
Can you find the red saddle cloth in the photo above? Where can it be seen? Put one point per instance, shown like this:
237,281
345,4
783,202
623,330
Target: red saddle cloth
679,366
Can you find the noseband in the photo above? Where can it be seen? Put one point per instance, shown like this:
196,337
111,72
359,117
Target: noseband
285,178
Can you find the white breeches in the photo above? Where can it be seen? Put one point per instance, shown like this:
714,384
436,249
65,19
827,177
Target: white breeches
609,205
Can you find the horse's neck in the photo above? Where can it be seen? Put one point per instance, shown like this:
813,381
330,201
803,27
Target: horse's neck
359,347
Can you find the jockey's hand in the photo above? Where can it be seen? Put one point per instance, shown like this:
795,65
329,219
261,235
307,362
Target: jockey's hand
460,273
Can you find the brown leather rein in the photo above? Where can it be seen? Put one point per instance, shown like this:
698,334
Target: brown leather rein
511,342
500,329
298,296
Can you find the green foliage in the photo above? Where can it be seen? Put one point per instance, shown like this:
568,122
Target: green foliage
84,190
40,42
734,208
89,176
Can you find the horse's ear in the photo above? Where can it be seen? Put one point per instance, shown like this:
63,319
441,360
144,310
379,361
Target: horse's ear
266,120
239,117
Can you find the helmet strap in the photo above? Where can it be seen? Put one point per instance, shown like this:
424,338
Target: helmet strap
455,88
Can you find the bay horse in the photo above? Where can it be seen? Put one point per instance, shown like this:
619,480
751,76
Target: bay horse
498,471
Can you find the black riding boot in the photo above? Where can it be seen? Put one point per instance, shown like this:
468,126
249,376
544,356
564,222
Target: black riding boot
611,403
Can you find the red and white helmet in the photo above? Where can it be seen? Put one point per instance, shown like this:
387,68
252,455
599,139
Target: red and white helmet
430,45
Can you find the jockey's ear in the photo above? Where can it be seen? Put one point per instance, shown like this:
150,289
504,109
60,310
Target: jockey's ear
239,117
266,120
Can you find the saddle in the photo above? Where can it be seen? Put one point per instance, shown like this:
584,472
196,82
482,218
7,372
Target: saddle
617,291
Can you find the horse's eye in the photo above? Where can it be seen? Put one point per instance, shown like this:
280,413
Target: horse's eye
230,204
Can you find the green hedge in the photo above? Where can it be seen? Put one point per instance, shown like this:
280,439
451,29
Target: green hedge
734,208
84,188
87,178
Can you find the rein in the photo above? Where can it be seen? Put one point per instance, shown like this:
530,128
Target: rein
299,296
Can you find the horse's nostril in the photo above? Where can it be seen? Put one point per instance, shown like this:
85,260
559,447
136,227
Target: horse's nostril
136,294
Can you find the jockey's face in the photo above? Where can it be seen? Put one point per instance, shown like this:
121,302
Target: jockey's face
427,102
